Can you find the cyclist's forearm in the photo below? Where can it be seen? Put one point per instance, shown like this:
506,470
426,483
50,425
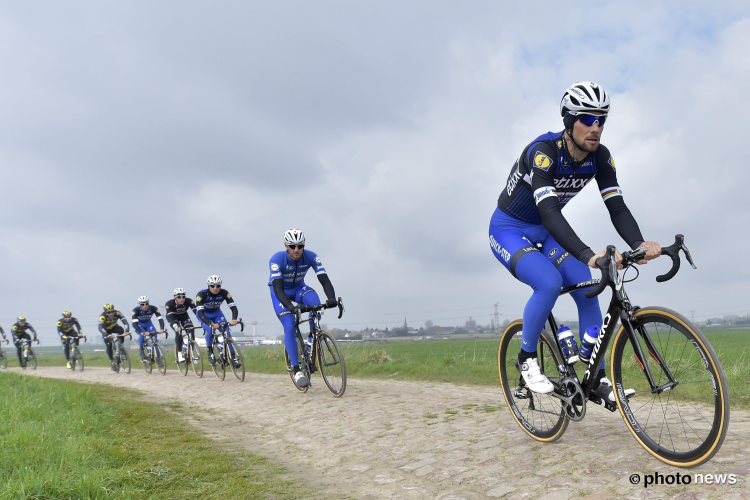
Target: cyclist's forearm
554,222
235,312
327,286
161,323
127,326
624,222
278,291
202,316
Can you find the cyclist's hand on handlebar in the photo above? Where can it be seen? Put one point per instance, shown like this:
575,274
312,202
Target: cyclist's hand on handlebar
233,322
618,258
654,250
332,302
214,326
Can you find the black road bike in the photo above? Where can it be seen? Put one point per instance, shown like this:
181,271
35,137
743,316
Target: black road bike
120,355
324,350
76,358
191,352
680,411
228,354
3,359
27,354
154,354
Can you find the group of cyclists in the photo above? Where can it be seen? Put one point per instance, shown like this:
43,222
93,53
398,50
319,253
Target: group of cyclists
290,296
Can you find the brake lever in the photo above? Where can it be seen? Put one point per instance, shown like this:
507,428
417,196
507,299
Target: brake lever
687,254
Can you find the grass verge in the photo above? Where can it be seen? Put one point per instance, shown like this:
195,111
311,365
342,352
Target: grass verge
67,440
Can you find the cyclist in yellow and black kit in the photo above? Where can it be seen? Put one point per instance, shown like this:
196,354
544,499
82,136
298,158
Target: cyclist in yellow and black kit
109,328
18,332
66,328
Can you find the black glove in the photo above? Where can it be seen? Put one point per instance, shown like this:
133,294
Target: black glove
332,302
166,333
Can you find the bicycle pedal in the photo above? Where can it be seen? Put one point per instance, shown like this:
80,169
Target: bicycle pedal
519,393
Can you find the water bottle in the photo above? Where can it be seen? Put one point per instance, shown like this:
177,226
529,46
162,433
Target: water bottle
308,343
588,342
568,344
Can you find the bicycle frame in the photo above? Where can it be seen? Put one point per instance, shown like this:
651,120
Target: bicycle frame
620,309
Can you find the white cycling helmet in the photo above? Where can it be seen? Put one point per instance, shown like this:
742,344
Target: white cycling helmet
142,300
583,97
214,280
179,291
294,237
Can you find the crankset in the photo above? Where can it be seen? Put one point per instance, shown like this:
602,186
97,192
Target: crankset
569,392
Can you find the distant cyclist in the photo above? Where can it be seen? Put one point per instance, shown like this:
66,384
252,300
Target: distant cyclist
546,176
287,282
68,327
109,329
3,333
177,317
142,322
18,332
208,309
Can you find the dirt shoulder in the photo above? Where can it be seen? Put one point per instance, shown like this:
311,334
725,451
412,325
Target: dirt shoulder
406,440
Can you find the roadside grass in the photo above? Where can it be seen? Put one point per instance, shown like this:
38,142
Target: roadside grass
67,440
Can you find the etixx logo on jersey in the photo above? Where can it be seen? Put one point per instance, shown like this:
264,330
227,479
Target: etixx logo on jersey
542,161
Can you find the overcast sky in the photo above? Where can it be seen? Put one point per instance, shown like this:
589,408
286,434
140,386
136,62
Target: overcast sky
147,145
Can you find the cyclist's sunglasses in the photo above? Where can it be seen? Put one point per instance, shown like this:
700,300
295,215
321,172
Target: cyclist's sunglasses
214,286
295,247
179,296
589,120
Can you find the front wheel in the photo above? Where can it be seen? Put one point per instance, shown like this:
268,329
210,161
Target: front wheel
148,363
32,359
79,360
161,361
182,365
541,416
125,359
235,359
331,363
218,366
684,425
3,360
196,360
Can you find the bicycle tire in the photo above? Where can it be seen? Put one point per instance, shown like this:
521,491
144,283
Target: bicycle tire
32,359
182,366
239,372
196,359
546,425
331,364
3,360
148,364
125,359
79,359
303,366
161,361
701,396
218,366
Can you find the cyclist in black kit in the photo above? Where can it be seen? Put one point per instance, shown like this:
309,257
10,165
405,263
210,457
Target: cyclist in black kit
18,332
66,327
177,317
108,326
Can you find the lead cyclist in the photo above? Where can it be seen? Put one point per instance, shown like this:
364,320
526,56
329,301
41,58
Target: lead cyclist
550,171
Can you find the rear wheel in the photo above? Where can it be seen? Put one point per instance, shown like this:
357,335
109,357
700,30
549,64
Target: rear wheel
235,359
685,425
125,359
196,360
161,361
302,366
541,416
331,363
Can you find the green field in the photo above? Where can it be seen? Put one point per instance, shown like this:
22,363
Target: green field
472,362
67,440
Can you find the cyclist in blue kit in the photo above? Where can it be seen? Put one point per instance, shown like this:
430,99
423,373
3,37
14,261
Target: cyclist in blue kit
209,312
287,283
546,176
142,322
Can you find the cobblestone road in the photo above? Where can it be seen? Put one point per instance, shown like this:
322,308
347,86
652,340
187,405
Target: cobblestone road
403,440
